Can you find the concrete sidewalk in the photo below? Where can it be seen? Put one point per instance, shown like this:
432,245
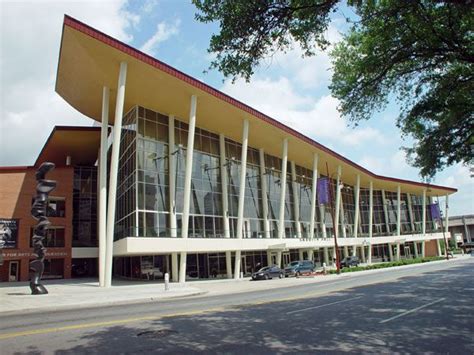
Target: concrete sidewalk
76,294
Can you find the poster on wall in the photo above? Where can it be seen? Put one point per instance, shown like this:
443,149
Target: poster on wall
9,232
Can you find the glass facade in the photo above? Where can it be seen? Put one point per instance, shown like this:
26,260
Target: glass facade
143,208
84,207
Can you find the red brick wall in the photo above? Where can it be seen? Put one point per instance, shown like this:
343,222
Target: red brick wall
17,189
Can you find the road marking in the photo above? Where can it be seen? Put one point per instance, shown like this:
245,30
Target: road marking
101,324
411,311
323,305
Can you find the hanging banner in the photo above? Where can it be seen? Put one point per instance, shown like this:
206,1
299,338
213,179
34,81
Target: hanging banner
9,232
435,212
323,191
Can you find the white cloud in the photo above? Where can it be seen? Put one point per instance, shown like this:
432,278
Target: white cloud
318,119
163,32
29,39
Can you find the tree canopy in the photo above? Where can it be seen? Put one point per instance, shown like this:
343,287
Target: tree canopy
419,52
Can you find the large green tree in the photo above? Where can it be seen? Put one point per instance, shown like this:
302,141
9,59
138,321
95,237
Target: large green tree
418,52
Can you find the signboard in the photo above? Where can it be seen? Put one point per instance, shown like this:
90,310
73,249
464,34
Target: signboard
9,232
322,189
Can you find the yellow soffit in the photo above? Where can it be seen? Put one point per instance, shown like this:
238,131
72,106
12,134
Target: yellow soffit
90,60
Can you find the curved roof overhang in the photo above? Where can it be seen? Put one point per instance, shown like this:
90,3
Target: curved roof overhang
90,59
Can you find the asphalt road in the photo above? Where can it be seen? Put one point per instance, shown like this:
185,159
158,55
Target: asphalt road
428,309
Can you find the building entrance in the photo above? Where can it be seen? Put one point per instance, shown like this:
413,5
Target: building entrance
13,270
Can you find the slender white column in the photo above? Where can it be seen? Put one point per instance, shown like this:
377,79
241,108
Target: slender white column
326,256
390,251
371,219
385,212
279,259
281,216
228,264
341,217
172,177
225,202
362,253
104,132
311,254
313,195
263,180
446,217
399,210
240,211
423,254
338,202
301,254
410,213
225,184
357,211
269,258
322,214
415,247
423,214
357,206
172,194
114,173
296,200
174,267
187,185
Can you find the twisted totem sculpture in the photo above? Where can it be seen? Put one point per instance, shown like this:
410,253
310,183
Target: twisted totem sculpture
38,211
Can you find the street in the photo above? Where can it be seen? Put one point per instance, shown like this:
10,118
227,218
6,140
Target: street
428,309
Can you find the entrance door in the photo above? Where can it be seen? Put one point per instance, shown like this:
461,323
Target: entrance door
13,271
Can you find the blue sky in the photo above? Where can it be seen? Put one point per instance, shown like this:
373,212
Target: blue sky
289,88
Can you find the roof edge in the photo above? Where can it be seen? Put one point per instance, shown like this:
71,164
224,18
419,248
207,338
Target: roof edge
147,59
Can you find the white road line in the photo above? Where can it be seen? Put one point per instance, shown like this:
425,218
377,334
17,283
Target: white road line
323,305
411,311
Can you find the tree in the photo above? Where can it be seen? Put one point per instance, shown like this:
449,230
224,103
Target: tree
420,52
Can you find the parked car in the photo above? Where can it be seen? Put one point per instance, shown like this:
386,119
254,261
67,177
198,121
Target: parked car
296,268
349,261
268,272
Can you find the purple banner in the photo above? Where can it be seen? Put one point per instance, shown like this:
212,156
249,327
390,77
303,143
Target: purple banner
435,212
323,191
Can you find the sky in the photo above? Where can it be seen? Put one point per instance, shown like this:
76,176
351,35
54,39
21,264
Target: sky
295,88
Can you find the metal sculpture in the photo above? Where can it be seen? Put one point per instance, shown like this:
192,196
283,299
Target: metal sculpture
38,211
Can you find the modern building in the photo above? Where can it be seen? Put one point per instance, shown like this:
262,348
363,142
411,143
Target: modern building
462,229
198,184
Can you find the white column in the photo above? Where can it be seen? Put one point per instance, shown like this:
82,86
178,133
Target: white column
172,177
322,214
371,219
357,211
446,221
338,203
399,218
415,247
263,181
240,211
341,217
104,132
385,213
281,215
279,260
225,201
187,185
326,256
114,173
362,253
410,213
172,194
228,264
313,195
390,251
423,243
269,258
296,200
225,185
423,214
311,254
301,254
